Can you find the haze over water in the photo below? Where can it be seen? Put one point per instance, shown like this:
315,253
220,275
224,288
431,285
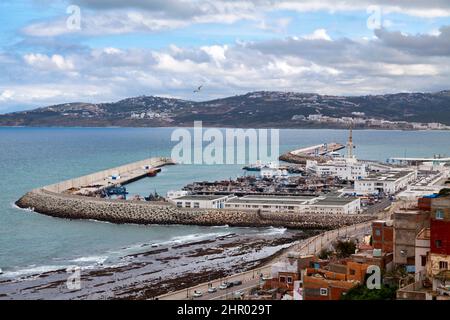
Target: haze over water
33,157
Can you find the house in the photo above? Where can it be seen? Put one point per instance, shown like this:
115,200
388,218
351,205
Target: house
432,278
383,235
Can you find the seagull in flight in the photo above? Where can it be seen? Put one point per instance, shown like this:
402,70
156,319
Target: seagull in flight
198,89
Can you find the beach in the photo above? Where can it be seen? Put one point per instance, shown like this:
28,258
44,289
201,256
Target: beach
156,270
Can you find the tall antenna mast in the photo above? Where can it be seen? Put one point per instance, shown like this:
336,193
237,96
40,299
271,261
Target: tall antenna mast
350,143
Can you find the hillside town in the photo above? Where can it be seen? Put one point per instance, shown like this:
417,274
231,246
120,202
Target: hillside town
403,252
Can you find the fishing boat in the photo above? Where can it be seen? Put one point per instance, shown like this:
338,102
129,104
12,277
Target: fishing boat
258,166
153,172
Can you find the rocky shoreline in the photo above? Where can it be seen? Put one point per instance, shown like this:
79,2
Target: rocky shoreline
152,272
142,212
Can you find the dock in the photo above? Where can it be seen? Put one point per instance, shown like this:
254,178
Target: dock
98,181
320,152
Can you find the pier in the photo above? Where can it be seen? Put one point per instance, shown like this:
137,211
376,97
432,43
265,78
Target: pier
122,175
319,153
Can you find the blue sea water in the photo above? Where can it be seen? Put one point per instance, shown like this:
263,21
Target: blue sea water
33,157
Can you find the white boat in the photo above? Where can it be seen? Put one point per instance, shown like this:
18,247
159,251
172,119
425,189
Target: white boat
1,271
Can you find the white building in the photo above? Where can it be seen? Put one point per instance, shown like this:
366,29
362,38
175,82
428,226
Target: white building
422,249
296,204
200,201
335,205
176,194
389,182
270,203
269,173
343,168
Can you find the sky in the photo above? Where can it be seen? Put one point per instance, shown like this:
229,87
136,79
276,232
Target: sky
58,51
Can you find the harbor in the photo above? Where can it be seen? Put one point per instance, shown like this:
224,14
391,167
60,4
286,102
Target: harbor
164,219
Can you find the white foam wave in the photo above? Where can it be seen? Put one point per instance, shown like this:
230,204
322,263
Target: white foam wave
15,206
32,270
272,231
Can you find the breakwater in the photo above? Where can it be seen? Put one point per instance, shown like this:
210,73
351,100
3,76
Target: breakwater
140,212
54,201
318,153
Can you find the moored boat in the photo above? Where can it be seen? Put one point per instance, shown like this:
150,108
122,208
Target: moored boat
153,172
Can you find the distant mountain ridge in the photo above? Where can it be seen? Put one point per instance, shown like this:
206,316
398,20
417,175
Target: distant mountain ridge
254,109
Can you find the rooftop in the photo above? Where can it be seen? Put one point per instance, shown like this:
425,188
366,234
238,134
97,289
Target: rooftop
388,176
333,201
201,197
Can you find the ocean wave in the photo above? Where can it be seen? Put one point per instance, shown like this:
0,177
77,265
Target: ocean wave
15,206
96,259
32,271
195,237
272,231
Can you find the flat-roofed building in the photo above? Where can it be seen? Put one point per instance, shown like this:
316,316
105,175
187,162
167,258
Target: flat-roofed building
270,203
200,201
389,182
343,168
407,225
296,204
335,205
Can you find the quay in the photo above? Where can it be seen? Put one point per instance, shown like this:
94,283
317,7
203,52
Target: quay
319,152
107,178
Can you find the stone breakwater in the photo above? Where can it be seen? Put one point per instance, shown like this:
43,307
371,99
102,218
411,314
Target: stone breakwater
120,211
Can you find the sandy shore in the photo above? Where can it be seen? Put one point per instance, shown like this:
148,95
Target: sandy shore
158,270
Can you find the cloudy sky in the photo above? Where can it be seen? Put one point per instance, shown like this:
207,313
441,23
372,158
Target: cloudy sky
105,50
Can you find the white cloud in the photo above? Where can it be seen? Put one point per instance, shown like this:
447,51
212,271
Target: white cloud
319,34
55,62
104,17
6,95
388,63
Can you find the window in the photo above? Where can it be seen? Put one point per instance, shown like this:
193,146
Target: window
187,204
378,232
423,261
439,214
438,243
179,204
323,291
443,265
352,272
196,205
289,279
282,279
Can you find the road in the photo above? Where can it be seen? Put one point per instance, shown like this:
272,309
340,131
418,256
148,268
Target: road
250,279
378,206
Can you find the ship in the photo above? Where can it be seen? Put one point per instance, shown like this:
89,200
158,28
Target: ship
153,172
259,165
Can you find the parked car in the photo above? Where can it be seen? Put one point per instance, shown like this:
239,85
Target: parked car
225,285
212,289
238,294
237,283
197,294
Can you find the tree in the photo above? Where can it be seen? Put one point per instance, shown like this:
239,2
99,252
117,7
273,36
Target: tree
324,254
344,249
361,292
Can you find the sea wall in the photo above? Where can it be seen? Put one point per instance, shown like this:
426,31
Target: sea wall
98,176
141,212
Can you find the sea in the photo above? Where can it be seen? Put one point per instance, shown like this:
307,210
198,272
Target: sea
31,243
